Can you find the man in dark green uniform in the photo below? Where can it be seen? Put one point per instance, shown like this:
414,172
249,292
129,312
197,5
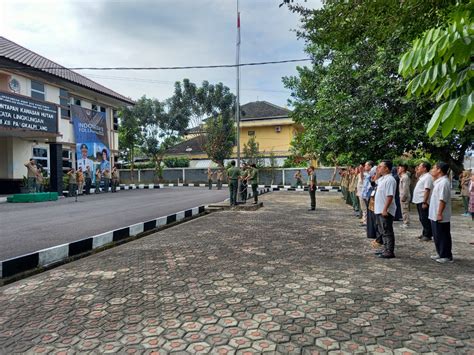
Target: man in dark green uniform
243,183
233,174
253,178
312,187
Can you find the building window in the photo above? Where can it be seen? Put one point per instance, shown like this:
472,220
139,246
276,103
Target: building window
76,102
67,160
37,90
41,157
277,129
115,120
251,133
95,107
64,103
103,109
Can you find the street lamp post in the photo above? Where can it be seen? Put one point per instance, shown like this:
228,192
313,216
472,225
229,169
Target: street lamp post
237,100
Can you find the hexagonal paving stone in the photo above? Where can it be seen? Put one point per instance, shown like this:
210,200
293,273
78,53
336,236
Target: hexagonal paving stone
264,345
175,345
303,339
279,336
223,350
353,347
199,348
153,342
172,334
233,332
194,337
191,326
378,349
228,322
255,334
248,324
270,326
327,343
240,342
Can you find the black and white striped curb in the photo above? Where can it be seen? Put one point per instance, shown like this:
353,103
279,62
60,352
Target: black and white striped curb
272,187
61,253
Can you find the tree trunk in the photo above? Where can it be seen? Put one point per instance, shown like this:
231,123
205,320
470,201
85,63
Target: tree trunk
333,178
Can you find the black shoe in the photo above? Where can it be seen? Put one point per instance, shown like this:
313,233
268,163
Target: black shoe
311,209
425,239
379,252
386,256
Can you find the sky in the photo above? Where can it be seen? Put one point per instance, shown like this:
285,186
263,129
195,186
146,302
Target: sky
143,33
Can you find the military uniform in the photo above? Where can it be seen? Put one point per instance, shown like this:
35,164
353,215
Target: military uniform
209,178
88,180
115,179
220,175
97,181
31,174
72,183
253,177
233,174
106,177
80,181
312,189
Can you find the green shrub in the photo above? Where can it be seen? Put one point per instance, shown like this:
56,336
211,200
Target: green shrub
176,162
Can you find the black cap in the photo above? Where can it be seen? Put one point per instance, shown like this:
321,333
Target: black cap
84,146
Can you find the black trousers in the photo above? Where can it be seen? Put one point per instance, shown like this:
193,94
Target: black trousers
371,223
425,222
243,192
442,238
88,186
209,182
312,196
385,227
255,192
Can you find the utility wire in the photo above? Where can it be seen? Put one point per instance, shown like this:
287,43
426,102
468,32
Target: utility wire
168,68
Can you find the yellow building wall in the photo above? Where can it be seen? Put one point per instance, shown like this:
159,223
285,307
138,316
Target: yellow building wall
268,139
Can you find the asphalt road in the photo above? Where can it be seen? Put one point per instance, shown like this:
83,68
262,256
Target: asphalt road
25,228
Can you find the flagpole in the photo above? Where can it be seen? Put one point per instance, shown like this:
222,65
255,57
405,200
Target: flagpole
237,100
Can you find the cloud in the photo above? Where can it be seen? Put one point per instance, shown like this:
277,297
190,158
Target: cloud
161,33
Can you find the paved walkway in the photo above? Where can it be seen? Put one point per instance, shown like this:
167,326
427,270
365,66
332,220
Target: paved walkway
279,279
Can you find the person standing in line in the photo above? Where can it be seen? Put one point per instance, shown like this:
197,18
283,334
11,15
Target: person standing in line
106,178
352,190
440,214
72,183
471,196
359,191
405,195
253,177
385,208
367,190
312,183
243,183
80,181
233,174
219,176
398,214
115,178
98,178
421,197
39,179
31,175
299,179
464,181
88,180
209,177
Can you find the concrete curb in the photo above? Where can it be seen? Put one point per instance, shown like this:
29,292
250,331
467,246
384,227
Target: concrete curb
61,253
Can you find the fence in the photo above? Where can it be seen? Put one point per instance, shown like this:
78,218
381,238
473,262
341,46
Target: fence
278,176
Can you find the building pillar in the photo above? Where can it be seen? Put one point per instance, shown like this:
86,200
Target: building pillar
56,168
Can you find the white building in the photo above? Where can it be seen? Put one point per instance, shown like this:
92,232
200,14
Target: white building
33,85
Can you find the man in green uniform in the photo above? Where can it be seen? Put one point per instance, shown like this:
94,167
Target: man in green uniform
312,187
233,174
253,178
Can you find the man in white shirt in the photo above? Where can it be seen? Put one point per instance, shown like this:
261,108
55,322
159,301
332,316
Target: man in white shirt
385,208
421,197
83,162
440,213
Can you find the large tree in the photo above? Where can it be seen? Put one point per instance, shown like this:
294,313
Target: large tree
351,101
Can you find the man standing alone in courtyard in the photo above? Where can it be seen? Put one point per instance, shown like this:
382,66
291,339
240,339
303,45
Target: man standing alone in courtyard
385,208
440,214
312,187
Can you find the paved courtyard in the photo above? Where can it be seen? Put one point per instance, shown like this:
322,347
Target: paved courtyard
280,279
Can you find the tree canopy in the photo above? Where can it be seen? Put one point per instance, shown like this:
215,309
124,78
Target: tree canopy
351,100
